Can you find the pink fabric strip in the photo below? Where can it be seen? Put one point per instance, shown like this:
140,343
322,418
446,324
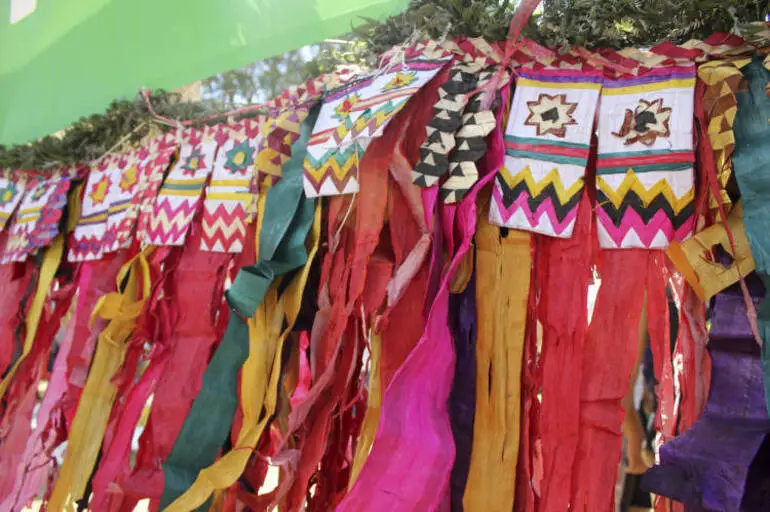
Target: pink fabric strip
36,465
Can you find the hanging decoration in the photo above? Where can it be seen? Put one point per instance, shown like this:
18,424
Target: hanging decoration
355,114
38,218
182,189
547,145
373,269
229,195
644,170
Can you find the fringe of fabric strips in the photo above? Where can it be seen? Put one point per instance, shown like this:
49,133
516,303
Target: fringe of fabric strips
378,291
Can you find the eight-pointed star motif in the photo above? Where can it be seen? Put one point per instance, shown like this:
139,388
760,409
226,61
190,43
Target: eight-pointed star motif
194,162
98,192
645,124
551,114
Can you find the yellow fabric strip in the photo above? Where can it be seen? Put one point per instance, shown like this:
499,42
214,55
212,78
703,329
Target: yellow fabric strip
182,193
501,326
230,196
187,183
50,265
229,183
372,415
121,309
259,381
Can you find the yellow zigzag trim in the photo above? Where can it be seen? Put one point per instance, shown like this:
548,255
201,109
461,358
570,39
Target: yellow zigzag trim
536,187
339,171
631,182
161,219
228,229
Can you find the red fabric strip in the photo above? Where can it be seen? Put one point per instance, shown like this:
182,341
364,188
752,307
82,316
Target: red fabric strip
660,343
15,279
563,284
182,354
609,355
531,381
549,149
631,161
15,424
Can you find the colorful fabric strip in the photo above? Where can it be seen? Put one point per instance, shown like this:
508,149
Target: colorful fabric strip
750,162
502,324
289,217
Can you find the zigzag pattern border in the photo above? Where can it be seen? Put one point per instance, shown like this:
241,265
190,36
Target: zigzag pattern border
549,188
560,219
169,225
631,207
614,237
223,231
335,166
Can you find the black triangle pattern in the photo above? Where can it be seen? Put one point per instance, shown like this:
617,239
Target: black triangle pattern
633,201
447,120
470,145
510,195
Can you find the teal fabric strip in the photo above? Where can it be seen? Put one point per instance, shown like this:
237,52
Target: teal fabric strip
287,222
751,162
544,142
645,168
180,186
559,159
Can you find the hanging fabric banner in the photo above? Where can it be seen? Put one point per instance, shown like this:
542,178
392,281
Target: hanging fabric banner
37,221
151,174
181,191
353,115
228,196
547,145
282,127
111,183
644,175
12,187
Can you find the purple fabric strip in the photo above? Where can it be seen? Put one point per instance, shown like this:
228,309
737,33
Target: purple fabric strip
462,399
707,467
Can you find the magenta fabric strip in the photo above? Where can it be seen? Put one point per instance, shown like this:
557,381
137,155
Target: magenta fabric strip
34,471
37,453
